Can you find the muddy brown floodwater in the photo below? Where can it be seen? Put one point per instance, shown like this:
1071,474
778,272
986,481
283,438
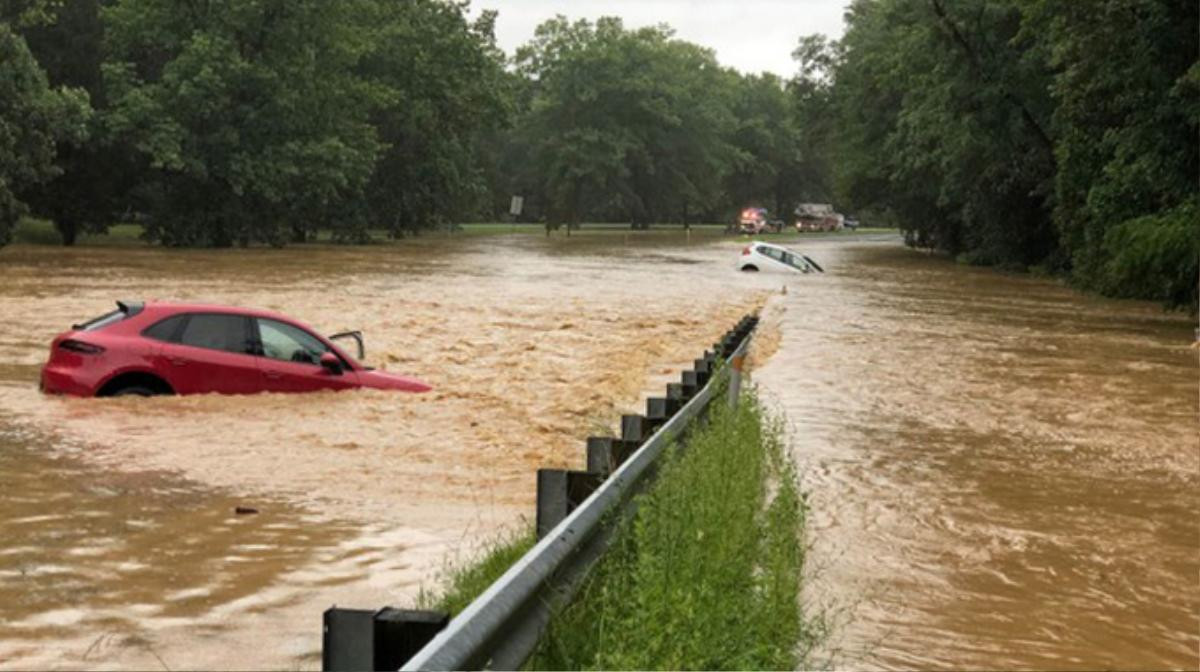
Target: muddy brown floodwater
1003,473
121,548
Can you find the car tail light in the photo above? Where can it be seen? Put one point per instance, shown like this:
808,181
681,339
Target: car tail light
73,345
746,250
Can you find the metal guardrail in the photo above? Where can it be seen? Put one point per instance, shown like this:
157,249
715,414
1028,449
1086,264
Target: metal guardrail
499,630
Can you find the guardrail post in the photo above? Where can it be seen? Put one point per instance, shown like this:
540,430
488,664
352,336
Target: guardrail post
361,639
605,454
634,428
660,409
348,640
559,491
401,633
690,384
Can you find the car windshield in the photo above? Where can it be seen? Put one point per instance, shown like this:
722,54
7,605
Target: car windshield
289,344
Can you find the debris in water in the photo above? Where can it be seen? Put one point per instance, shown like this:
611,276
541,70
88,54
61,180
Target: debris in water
244,510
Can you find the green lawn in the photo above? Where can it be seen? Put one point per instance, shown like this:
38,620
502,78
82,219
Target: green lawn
41,232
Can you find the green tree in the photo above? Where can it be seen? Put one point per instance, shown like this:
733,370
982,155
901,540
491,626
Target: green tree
1127,107
945,112
1021,132
633,123
250,114
34,118
90,193
767,168
446,91
810,175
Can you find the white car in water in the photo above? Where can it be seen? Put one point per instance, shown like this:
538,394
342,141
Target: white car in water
767,257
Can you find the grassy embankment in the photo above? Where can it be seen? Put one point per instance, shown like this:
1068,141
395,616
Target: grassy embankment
705,575
41,232
464,583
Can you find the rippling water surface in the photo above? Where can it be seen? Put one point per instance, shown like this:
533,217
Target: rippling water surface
121,546
1003,473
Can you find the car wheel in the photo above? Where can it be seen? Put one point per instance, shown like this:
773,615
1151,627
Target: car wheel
749,268
134,391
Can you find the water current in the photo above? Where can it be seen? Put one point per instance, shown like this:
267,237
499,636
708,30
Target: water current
1003,473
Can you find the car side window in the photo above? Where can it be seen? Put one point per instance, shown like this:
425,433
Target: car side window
215,331
165,330
287,343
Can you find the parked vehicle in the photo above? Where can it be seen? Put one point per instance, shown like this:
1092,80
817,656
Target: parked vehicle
754,221
176,348
850,222
758,256
817,217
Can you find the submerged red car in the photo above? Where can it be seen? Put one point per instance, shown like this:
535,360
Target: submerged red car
176,348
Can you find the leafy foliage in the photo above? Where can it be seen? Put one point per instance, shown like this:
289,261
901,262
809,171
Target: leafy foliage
1127,93
250,114
445,92
91,191
1156,256
958,152
1023,133
629,123
33,119
767,136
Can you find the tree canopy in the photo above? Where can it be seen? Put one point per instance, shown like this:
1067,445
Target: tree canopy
34,118
1029,133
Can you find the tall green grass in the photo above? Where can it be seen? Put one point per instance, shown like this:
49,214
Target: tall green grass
706,574
462,583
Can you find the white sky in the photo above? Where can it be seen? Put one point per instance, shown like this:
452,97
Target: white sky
750,35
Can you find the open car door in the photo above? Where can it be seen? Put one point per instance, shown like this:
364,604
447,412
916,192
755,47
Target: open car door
357,336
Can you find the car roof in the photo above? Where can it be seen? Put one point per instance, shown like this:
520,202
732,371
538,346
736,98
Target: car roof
185,307
778,247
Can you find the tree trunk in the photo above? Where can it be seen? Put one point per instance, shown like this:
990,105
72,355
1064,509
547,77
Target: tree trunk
69,230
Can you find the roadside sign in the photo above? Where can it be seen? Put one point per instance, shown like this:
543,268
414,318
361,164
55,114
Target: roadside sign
514,208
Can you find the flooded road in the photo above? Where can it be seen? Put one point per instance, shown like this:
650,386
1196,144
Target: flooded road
1003,473
121,545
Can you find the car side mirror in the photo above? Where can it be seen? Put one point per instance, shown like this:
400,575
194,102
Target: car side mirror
331,363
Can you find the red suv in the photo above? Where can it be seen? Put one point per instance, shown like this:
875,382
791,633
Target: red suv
175,348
